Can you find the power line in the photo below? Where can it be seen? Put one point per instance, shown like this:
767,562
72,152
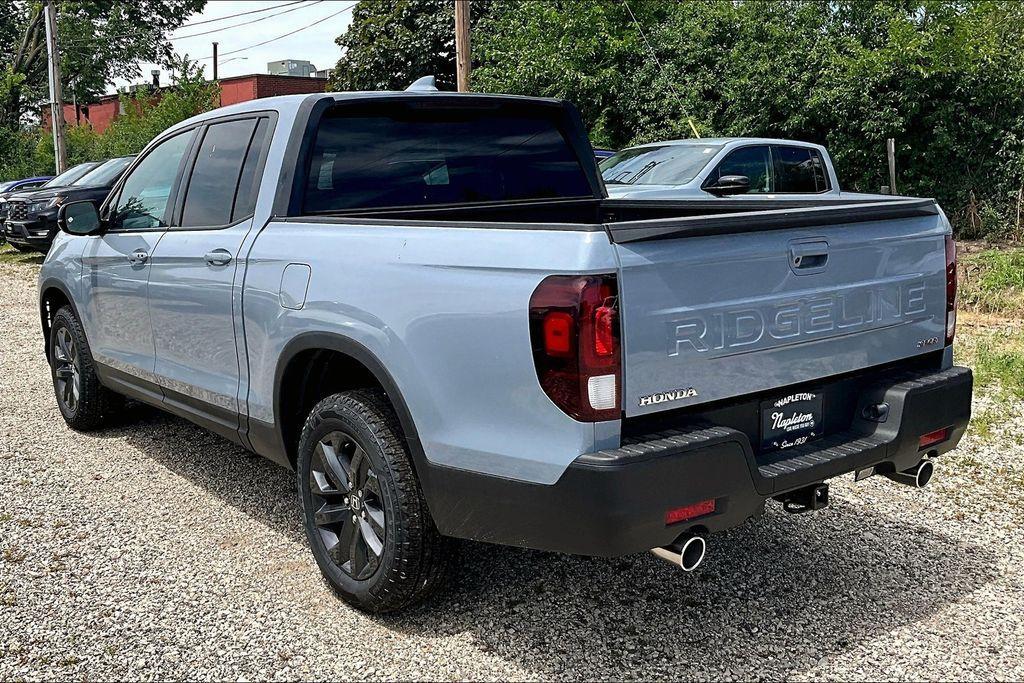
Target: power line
240,14
157,33
661,69
246,23
285,35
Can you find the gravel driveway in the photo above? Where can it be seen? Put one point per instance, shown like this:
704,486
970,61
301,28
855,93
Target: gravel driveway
155,550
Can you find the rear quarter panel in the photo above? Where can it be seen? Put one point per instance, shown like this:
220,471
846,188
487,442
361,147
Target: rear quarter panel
445,311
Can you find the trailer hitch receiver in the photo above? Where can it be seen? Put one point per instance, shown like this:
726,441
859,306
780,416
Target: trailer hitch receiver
809,498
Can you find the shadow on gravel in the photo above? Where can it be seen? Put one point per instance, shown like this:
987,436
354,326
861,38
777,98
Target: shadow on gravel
255,486
772,598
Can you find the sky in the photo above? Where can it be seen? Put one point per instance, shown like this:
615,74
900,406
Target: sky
315,44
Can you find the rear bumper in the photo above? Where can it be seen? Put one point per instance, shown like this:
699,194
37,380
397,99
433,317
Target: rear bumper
614,502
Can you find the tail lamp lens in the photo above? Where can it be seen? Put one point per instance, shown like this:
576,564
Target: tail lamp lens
950,289
574,329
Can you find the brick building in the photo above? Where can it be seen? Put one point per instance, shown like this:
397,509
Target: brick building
236,89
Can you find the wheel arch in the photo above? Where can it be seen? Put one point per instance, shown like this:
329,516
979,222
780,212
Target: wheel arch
300,349
53,295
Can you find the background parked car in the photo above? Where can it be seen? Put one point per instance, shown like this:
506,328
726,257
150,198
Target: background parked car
14,186
602,154
23,184
710,168
32,216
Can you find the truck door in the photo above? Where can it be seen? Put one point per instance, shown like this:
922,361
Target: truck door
117,263
195,279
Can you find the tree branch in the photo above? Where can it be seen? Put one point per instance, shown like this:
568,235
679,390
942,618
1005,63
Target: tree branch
29,37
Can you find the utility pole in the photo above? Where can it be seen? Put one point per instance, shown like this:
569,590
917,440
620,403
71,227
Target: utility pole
215,60
462,52
890,152
60,153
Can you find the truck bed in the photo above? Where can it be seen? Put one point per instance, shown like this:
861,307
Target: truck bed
629,220
725,298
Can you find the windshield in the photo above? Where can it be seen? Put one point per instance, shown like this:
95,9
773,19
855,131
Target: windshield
103,174
69,176
662,165
8,185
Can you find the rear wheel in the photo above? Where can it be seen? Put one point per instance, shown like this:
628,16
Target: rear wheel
365,517
84,403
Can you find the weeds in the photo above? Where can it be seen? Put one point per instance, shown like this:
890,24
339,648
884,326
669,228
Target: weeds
992,281
9,254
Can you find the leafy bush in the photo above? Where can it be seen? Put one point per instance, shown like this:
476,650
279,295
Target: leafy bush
30,152
942,77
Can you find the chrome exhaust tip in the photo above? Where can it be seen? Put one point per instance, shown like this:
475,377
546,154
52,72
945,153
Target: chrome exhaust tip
688,555
917,476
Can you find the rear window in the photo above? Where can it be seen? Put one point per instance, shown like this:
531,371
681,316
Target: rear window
414,157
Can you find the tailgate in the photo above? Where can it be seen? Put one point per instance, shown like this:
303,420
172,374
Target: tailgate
709,314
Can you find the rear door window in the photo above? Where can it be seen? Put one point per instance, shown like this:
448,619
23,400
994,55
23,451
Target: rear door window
799,170
249,181
754,162
210,197
392,157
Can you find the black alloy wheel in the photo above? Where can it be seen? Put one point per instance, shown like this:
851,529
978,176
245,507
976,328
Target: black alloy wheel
66,373
349,505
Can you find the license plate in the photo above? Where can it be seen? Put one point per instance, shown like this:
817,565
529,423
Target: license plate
791,420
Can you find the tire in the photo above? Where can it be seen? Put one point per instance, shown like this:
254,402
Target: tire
84,403
374,542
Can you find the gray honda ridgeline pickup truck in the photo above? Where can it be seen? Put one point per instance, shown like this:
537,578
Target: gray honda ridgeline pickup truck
425,304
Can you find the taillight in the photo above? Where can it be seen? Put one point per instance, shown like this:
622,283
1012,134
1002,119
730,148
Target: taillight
574,329
950,289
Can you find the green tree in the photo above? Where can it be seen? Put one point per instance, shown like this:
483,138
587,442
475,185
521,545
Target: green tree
30,151
391,43
943,77
100,40
146,115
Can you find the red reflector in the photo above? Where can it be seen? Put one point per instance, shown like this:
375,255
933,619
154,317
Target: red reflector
558,333
604,334
932,438
705,507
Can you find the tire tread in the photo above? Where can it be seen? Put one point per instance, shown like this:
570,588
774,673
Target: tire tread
421,552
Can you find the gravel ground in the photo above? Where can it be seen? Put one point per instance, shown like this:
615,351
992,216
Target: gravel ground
155,550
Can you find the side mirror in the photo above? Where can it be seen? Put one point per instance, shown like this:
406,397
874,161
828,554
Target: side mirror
79,218
730,184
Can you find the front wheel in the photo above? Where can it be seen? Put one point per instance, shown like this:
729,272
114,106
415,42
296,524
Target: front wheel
84,403
365,516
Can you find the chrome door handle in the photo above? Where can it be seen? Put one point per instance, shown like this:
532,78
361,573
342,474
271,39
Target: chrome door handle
218,257
138,257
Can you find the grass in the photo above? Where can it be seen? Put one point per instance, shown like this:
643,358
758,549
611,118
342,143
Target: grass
992,281
996,354
9,254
